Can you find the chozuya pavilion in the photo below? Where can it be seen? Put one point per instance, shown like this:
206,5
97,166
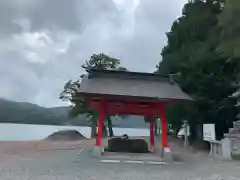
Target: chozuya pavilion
130,93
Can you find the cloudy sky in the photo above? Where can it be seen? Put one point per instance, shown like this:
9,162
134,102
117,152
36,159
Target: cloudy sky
44,42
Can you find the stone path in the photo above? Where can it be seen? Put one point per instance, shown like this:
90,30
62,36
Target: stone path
73,161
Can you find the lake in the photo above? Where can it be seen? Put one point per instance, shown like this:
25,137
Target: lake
28,132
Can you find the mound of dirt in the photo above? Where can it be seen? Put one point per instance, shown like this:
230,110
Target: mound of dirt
66,135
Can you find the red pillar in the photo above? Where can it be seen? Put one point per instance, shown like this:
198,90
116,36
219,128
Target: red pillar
100,125
152,141
164,127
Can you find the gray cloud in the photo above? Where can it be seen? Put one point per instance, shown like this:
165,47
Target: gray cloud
71,15
43,43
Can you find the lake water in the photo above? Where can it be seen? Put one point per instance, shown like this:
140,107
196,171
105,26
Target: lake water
28,132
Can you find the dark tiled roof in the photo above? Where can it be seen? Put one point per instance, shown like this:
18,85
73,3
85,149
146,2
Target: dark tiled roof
121,83
95,73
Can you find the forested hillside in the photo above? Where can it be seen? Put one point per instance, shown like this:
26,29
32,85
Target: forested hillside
21,112
27,113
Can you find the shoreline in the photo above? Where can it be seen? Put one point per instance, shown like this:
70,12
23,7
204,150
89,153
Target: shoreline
25,147
36,146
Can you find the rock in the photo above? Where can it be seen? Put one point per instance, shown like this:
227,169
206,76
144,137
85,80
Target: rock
236,128
139,146
127,145
66,135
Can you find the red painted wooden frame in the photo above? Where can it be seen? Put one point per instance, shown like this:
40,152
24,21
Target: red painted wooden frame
121,105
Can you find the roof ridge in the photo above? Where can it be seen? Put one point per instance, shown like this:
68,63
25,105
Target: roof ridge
96,73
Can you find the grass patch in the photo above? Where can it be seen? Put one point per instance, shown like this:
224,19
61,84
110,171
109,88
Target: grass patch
236,156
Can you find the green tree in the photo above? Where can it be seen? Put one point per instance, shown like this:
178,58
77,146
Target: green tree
149,119
102,61
97,61
229,21
175,116
204,71
78,106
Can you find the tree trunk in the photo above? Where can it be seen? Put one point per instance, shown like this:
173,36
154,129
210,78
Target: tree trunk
94,130
156,128
176,130
185,134
192,136
104,130
110,128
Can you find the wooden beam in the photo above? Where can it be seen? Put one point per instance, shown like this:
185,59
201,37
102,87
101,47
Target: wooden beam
152,141
164,126
100,124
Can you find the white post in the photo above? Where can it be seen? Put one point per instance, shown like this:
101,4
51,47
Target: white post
226,149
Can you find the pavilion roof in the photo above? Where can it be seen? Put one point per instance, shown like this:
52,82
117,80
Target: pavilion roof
131,84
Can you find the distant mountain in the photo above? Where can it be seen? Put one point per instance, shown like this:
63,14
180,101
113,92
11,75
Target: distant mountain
21,112
62,112
27,113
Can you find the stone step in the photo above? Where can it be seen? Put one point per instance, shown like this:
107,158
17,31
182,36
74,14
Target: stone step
132,162
132,156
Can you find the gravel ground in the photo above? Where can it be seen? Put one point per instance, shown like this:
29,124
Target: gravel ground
43,160
70,165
